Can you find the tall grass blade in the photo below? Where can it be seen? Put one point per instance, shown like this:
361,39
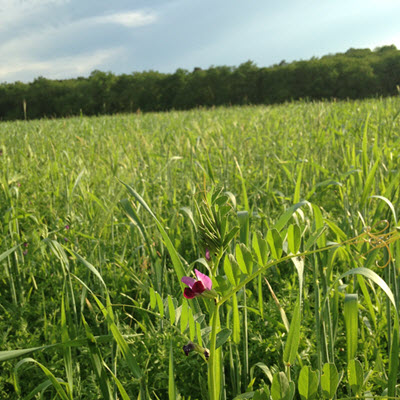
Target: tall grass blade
285,217
171,374
98,363
293,339
177,263
66,349
121,342
351,321
368,183
57,386
394,360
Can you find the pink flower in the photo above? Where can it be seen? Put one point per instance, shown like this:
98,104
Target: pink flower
196,288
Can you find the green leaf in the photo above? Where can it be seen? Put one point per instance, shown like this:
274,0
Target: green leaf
260,247
192,325
374,277
198,334
351,322
319,223
171,374
229,271
365,147
368,183
299,264
8,252
284,218
176,261
308,383
89,266
355,376
121,342
7,355
222,337
171,310
294,238
296,196
60,391
235,269
160,304
275,243
135,220
367,298
122,391
244,222
293,339
394,359
66,349
280,389
184,316
228,237
329,380
153,300
97,363
264,368
236,319
244,258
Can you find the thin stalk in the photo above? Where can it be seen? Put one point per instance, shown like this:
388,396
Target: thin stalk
245,341
213,367
317,315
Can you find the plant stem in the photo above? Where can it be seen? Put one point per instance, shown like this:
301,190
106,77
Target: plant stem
213,364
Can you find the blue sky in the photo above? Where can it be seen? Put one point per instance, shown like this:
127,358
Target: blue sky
61,39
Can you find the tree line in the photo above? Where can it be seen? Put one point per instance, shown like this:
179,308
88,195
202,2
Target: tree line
355,74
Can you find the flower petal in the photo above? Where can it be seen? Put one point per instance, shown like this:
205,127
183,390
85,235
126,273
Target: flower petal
189,294
188,348
204,279
187,280
198,287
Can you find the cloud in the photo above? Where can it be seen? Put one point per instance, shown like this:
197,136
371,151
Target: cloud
59,68
50,41
129,19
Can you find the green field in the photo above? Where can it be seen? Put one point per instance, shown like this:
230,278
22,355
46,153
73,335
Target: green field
101,217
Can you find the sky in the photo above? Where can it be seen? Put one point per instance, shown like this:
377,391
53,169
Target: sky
61,39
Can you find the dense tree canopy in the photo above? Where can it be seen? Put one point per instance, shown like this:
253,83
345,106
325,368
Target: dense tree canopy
357,73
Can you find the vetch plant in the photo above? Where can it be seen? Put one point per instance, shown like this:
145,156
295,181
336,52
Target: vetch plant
201,287
234,262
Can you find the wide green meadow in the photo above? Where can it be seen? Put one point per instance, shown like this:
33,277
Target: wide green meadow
285,218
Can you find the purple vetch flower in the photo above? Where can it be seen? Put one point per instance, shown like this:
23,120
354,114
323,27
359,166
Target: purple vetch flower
188,348
208,255
25,244
203,286
198,349
66,227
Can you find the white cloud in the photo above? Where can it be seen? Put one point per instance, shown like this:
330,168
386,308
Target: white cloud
52,44
129,19
59,68
13,12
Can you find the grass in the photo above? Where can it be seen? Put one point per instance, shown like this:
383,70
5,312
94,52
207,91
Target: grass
88,276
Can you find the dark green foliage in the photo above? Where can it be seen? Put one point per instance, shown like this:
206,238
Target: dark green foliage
355,74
